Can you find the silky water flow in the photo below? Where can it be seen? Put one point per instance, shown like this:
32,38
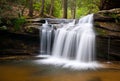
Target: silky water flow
46,36
73,46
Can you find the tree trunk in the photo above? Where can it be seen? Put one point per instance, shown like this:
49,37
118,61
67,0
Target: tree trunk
22,11
30,8
74,13
64,8
42,8
51,8
73,8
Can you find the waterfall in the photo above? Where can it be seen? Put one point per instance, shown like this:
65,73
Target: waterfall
76,41
59,41
46,34
74,45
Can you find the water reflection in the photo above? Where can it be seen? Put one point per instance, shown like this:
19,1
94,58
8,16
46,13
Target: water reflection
27,70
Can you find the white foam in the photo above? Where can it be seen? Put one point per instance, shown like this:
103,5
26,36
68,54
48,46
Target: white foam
72,41
72,64
43,56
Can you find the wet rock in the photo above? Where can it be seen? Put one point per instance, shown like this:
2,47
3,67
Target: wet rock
107,25
18,44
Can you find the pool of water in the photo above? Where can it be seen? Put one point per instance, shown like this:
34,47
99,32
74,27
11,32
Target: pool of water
29,70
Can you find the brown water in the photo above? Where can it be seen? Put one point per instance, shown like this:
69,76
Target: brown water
27,70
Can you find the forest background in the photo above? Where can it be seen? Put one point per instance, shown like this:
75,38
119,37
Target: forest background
48,8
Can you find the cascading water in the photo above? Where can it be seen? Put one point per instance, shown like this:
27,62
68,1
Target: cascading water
74,45
79,40
59,41
46,34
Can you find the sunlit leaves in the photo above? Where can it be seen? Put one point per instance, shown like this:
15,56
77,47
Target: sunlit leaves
86,7
83,7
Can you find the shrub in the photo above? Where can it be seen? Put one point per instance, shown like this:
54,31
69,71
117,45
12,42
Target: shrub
18,22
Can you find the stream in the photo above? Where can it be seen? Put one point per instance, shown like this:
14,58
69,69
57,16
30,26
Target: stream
29,70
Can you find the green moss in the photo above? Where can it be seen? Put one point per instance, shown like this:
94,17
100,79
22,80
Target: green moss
113,15
18,22
101,32
30,30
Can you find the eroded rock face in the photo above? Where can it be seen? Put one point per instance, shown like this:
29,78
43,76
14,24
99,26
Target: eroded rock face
109,21
108,48
18,44
107,25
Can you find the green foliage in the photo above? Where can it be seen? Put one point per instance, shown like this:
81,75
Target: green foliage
17,23
113,15
37,5
101,32
57,8
85,7
4,6
81,12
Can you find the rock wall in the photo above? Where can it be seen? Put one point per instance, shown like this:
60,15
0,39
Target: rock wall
107,26
18,44
108,48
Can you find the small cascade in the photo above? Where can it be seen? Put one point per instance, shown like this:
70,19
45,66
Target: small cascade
73,46
46,34
108,55
60,37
